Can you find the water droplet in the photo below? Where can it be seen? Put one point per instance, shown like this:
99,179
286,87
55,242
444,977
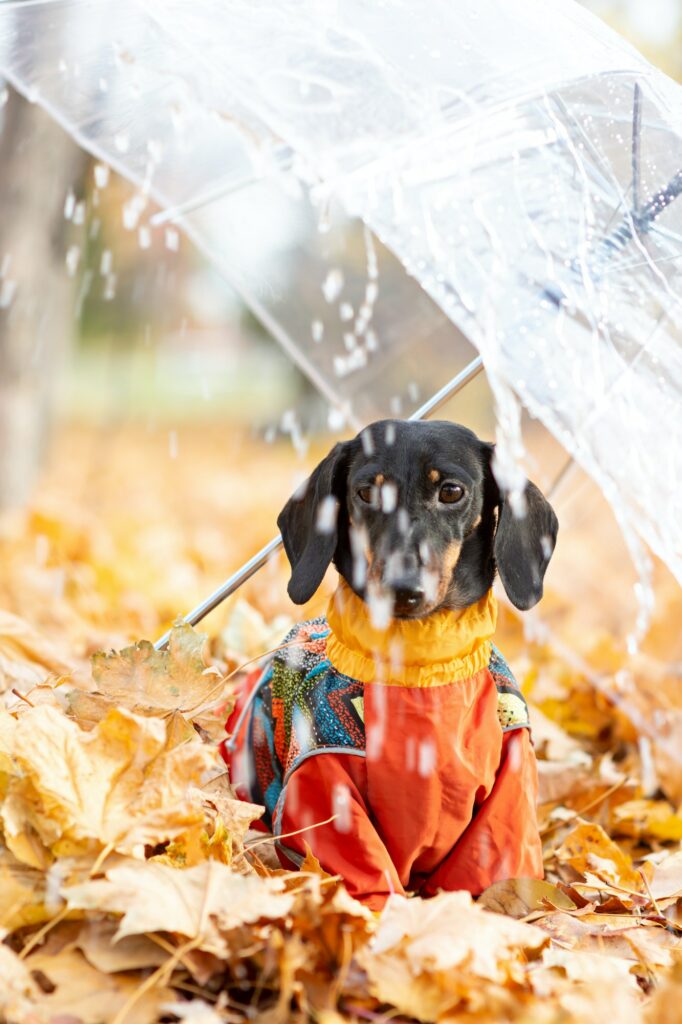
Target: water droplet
333,285
317,330
101,175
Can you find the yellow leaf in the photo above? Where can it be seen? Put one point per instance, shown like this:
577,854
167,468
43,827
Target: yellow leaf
116,785
177,679
647,819
22,894
588,849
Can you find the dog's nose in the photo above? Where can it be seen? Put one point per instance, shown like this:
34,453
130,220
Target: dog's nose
407,596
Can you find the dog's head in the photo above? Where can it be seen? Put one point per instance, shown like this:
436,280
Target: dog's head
410,512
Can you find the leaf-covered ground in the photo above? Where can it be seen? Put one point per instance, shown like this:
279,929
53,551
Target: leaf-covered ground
131,889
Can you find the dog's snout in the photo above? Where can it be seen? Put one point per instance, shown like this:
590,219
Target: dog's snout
408,595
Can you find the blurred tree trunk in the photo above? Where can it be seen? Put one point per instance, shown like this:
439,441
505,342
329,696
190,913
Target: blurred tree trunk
38,165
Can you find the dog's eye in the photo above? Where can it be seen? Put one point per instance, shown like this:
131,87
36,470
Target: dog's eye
450,494
366,494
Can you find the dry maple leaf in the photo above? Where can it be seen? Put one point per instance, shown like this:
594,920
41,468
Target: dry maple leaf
614,935
200,902
588,849
421,945
177,679
519,897
116,785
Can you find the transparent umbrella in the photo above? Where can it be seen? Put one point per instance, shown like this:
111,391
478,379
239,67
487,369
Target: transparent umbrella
521,162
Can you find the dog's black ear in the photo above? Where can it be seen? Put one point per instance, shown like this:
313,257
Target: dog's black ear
309,523
524,545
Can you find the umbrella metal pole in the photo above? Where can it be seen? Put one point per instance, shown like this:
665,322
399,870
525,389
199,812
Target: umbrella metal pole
251,567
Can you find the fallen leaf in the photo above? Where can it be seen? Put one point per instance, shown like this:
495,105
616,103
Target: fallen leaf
647,819
612,935
667,877
591,970
18,992
176,679
588,848
425,951
96,941
518,897
22,893
26,657
198,902
116,785
82,993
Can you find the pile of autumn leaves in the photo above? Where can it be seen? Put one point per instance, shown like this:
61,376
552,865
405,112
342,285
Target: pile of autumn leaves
130,891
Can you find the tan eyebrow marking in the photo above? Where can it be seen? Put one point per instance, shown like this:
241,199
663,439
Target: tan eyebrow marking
379,479
434,476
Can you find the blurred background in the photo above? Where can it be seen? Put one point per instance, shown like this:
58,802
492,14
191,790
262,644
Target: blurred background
151,427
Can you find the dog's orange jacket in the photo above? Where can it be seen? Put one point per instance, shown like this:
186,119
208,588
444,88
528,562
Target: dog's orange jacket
401,757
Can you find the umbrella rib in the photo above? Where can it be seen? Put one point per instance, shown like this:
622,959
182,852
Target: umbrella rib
250,568
636,136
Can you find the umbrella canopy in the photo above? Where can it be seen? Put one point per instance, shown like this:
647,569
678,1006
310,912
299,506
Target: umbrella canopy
521,162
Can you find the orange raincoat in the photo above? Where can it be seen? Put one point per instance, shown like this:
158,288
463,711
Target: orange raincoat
401,757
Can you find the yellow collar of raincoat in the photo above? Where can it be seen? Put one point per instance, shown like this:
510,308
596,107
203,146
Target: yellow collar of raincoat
443,648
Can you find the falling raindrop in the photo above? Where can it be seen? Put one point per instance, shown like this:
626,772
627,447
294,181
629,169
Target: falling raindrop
110,288
69,205
101,175
327,513
333,285
8,290
317,330
73,255
341,807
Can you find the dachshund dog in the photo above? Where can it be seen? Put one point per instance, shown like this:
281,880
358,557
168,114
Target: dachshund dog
390,736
